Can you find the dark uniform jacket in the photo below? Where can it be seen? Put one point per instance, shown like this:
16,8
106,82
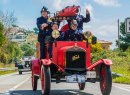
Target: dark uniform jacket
69,35
80,19
41,34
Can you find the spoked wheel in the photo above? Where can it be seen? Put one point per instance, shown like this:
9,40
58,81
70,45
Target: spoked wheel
106,79
81,86
34,82
45,80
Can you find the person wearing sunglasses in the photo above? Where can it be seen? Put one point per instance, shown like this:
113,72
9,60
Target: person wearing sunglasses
72,34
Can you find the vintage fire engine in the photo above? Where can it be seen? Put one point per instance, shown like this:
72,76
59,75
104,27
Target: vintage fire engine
70,62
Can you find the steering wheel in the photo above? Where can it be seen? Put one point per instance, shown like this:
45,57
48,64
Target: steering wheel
73,36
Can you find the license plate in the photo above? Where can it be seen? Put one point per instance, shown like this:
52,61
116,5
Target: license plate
91,74
75,79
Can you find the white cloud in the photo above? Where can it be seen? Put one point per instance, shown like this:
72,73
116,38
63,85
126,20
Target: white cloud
26,23
60,4
5,1
111,31
108,2
91,10
57,5
108,34
87,26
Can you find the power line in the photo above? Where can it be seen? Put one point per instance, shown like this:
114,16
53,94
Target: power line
107,26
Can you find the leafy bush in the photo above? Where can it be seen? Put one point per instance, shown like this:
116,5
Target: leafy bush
10,52
25,47
2,37
3,58
29,52
94,47
121,60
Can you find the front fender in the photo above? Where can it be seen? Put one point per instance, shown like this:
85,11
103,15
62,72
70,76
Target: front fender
101,61
46,62
35,66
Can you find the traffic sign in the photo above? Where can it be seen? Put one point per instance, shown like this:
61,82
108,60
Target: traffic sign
127,25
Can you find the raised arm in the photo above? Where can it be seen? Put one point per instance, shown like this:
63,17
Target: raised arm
87,19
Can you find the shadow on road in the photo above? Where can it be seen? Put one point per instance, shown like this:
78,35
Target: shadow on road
53,92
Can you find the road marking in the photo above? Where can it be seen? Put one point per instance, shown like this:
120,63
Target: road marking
121,88
12,89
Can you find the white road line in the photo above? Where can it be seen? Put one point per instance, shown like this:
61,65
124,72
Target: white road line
12,89
121,88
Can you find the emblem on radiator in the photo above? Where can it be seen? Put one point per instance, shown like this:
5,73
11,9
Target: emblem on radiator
75,57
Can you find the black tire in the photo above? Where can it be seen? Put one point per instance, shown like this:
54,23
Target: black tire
81,86
47,80
106,78
20,72
35,79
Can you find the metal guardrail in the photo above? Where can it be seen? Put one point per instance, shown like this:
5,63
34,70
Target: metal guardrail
116,74
8,69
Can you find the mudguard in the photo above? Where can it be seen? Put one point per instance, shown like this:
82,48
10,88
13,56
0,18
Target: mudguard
35,65
101,61
46,62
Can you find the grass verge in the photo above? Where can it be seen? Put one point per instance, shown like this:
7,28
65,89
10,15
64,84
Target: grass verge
7,72
121,79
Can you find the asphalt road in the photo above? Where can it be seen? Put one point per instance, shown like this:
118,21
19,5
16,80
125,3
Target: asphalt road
21,85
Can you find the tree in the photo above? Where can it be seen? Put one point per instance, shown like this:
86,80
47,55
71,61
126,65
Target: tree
15,25
36,30
2,37
25,47
29,52
124,38
28,31
7,19
10,51
17,53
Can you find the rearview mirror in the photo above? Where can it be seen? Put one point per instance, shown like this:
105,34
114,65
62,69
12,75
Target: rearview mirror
94,40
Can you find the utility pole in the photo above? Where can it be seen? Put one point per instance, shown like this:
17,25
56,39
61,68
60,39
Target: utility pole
118,36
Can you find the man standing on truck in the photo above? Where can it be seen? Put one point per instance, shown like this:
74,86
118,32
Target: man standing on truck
80,20
44,26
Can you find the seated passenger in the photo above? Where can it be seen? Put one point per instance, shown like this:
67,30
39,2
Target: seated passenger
54,26
72,34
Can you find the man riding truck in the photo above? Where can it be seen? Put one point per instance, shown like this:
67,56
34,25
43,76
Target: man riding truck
54,26
72,34
43,26
80,19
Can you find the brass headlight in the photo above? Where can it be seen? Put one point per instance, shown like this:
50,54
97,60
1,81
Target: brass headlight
55,34
87,34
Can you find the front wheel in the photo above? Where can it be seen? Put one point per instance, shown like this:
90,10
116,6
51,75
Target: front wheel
81,86
45,79
34,81
106,79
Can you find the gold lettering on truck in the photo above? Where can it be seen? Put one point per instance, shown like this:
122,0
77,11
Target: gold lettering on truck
75,57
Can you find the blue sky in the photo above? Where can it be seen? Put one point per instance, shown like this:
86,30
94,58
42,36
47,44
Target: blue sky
103,13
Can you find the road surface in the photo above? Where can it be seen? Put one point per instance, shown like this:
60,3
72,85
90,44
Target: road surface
15,84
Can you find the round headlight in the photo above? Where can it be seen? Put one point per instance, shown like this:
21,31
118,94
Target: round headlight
87,34
55,34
